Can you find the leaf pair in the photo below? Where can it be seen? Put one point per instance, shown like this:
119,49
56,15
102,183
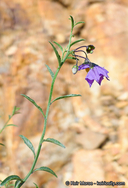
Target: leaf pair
61,97
19,181
57,54
61,48
73,23
30,145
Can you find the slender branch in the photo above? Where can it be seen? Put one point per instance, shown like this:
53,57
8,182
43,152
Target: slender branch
68,50
5,125
81,51
80,56
80,47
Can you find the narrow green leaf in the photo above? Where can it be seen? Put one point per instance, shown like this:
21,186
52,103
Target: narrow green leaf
28,143
36,185
54,141
11,125
72,21
56,52
50,71
76,42
79,23
2,144
66,96
32,101
59,46
13,112
43,168
10,178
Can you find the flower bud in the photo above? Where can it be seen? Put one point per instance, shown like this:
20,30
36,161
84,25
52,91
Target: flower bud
90,48
74,69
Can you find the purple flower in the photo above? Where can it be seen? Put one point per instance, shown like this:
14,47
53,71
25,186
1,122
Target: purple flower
95,72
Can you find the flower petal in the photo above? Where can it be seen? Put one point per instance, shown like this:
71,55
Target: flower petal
83,66
102,71
100,80
98,76
90,82
93,74
90,77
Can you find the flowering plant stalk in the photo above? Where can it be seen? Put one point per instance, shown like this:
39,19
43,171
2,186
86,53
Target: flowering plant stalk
15,111
66,54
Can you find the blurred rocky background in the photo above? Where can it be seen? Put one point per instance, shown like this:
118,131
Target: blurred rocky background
94,127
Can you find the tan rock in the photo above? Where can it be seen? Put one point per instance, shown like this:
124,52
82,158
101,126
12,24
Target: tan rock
123,133
121,104
123,159
88,166
52,23
11,51
111,174
90,140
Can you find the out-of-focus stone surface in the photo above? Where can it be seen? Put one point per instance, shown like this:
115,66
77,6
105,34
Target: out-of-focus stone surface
88,167
90,140
92,127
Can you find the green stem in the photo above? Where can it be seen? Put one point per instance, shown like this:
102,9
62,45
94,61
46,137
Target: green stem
68,51
47,110
5,125
44,130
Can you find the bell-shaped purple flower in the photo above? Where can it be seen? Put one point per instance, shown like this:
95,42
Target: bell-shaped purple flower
95,72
